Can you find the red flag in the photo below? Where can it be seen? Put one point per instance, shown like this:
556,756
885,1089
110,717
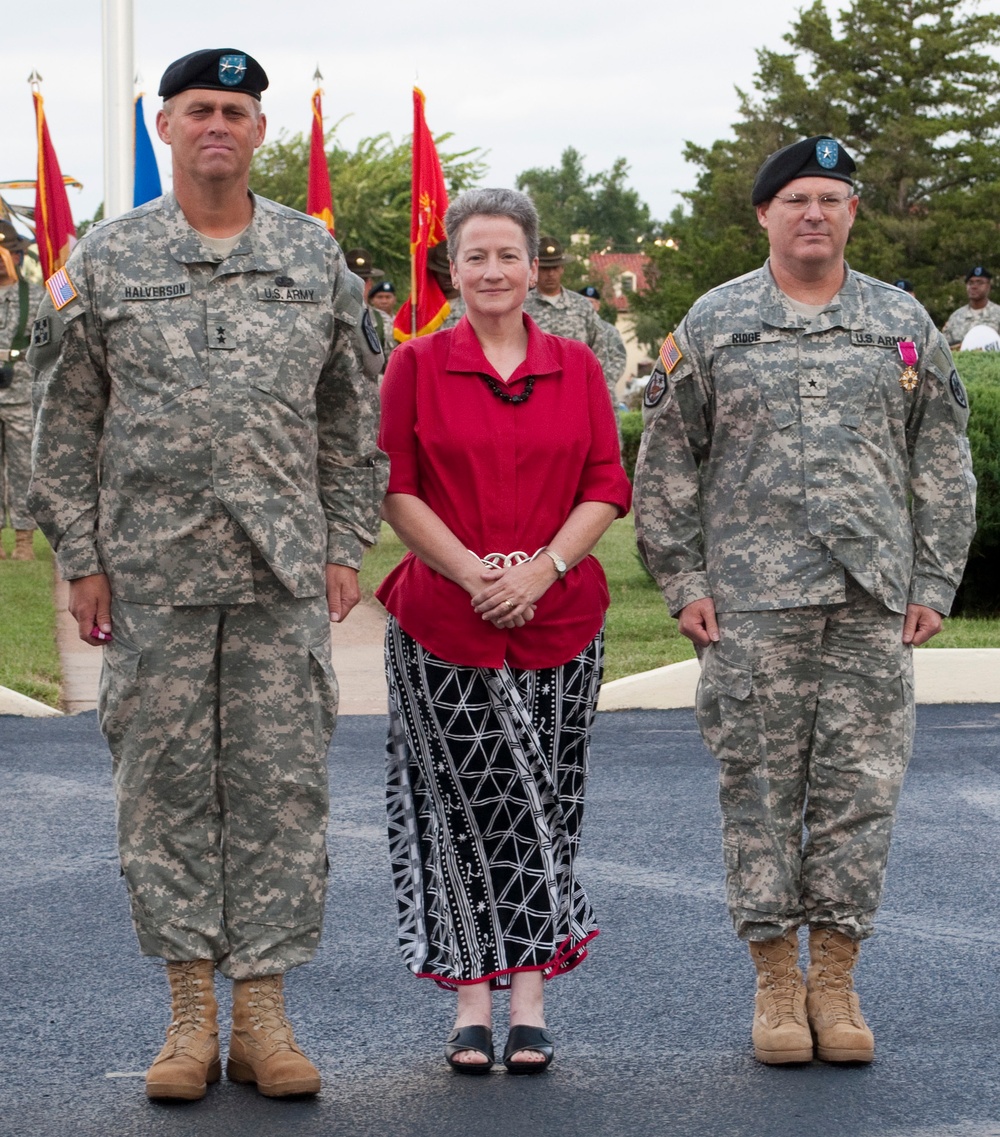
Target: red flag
54,229
427,307
319,197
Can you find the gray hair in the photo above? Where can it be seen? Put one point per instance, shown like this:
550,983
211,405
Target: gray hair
513,204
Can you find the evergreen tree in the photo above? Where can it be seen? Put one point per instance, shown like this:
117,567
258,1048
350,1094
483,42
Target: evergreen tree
911,89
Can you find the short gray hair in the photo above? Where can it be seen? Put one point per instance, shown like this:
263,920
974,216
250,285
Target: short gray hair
492,203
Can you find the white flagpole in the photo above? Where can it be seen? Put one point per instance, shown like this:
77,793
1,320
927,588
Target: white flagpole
119,106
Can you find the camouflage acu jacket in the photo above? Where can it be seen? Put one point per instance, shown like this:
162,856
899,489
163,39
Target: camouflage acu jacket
189,407
782,452
572,316
19,390
964,319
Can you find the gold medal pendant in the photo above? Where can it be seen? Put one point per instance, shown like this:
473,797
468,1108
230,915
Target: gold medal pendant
908,354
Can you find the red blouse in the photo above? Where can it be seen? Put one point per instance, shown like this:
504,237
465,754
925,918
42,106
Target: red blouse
502,477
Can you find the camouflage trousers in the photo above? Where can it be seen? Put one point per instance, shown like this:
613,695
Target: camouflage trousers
219,720
15,464
810,713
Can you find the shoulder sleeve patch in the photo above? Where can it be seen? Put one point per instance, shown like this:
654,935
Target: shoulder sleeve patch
371,336
41,332
957,390
656,388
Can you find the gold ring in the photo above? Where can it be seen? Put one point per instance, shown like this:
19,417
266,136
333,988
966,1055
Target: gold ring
508,604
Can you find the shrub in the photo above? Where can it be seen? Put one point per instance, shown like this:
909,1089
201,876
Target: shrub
631,424
979,594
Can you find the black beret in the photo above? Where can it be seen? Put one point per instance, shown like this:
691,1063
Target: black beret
818,157
590,292
214,69
978,271
905,285
382,286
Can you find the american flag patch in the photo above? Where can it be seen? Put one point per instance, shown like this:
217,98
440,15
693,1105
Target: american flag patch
670,354
61,289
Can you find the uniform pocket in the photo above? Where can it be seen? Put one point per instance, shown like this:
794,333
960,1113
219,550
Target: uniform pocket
118,697
727,711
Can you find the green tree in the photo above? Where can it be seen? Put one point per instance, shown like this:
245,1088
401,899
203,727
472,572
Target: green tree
569,200
911,88
371,189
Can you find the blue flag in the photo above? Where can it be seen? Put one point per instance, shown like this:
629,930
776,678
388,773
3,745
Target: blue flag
147,176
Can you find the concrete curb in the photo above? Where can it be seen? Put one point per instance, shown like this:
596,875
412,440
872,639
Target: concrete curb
941,675
14,703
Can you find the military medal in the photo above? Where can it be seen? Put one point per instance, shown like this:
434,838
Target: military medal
908,354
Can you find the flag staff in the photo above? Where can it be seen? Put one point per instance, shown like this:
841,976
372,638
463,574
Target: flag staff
119,105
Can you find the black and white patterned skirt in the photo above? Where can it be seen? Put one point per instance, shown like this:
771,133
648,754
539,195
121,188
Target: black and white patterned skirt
486,771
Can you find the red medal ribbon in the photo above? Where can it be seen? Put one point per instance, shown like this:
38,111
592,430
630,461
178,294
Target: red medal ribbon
908,352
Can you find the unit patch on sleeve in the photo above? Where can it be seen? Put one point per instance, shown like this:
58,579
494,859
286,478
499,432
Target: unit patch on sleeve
655,389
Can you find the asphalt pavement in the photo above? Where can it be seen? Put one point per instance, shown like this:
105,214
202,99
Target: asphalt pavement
652,1031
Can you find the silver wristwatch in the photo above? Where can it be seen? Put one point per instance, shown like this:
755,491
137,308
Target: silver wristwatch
556,560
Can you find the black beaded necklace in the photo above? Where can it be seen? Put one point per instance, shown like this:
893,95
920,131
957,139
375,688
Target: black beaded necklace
502,395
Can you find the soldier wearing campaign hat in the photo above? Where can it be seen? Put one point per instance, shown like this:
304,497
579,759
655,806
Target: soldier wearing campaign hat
806,542
19,300
563,313
979,310
205,468
440,268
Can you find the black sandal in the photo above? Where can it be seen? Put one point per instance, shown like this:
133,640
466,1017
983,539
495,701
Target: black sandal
528,1038
476,1038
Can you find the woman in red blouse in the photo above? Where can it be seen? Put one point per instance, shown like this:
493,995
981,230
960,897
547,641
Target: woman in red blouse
505,471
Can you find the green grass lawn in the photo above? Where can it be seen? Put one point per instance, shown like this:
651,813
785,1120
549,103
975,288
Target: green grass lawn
640,633
29,660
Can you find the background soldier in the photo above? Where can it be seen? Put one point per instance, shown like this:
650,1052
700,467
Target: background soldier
979,310
359,261
614,345
205,468
805,500
439,266
563,313
382,296
19,301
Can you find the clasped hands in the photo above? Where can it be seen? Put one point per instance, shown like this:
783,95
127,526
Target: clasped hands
508,597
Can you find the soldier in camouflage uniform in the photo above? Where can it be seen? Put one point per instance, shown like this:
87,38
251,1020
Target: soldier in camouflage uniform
614,345
359,261
560,312
205,468
439,265
19,300
805,500
979,310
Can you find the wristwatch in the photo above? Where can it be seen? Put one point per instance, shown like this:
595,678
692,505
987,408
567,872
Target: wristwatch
556,560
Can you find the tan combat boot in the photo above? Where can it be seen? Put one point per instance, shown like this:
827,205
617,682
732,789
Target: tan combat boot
262,1048
24,549
842,1035
189,1059
780,1029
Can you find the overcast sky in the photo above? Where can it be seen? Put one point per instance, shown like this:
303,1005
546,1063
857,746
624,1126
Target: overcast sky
522,78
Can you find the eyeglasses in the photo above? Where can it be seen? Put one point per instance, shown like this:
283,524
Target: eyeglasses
800,202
